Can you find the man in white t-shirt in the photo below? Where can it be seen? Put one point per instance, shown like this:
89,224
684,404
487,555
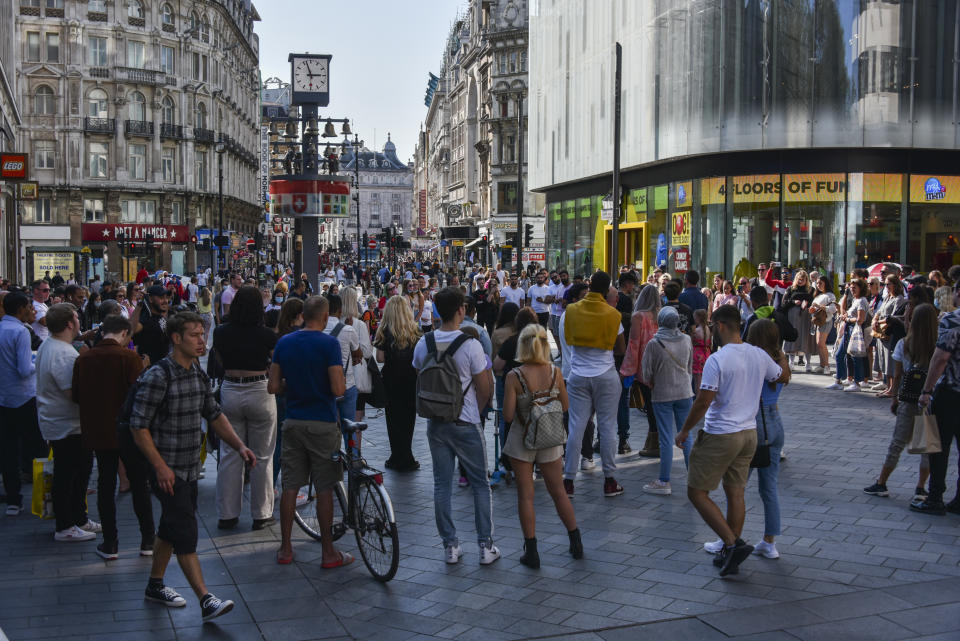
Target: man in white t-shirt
560,282
193,290
226,298
59,419
463,438
351,353
728,400
540,296
41,293
513,293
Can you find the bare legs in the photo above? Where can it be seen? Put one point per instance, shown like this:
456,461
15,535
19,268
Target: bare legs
553,478
728,528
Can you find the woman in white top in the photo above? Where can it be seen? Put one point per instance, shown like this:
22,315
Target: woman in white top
826,301
351,317
852,369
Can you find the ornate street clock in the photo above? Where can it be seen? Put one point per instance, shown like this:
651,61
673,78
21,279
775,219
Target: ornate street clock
310,78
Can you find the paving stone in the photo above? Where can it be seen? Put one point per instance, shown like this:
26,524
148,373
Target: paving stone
929,620
862,629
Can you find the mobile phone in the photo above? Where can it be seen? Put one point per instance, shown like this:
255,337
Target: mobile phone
740,289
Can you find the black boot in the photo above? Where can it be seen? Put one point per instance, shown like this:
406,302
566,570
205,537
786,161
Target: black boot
651,447
530,557
576,545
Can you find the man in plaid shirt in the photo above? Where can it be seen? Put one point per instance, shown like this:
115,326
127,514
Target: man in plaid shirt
171,398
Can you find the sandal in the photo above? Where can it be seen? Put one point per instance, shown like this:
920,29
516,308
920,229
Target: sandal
885,394
345,559
284,560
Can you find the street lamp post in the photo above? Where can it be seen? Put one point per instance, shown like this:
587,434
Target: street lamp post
220,149
520,182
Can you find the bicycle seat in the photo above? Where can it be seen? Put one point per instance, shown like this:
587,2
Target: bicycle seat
354,426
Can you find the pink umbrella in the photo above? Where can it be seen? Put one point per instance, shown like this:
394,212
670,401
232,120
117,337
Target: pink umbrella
876,269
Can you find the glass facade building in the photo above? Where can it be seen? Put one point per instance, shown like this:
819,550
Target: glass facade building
821,133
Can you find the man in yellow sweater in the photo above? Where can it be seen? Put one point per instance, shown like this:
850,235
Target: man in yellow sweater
591,329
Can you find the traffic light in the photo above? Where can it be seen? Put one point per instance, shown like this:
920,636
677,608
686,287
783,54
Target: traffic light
366,239
527,234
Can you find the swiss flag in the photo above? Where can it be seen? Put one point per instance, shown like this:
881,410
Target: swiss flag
299,203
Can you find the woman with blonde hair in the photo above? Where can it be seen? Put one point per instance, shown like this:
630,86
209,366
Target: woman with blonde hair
351,317
396,337
535,376
796,300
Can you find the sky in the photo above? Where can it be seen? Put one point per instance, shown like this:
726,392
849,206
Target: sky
382,51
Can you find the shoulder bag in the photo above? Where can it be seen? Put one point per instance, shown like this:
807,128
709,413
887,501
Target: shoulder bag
761,456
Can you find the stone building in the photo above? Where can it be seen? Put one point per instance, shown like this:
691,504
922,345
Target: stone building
10,120
386,192
124,102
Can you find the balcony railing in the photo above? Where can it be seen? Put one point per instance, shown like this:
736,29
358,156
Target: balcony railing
29,11
99,125
54,13
168,130
169,28
203,135
97,16
144,76
99,72
136,22
138,128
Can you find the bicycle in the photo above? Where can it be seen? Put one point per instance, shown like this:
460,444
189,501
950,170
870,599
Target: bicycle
365,508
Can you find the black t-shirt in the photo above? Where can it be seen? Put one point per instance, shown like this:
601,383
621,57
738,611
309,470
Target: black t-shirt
508,352
244,346
152,338
686,316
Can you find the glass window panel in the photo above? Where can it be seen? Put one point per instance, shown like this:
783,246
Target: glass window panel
933,226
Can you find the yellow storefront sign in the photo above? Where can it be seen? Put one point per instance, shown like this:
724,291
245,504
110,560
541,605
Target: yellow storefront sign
52,262
766,188
927,189
680,232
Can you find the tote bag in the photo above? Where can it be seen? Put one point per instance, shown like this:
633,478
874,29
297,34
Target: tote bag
926,434
856,346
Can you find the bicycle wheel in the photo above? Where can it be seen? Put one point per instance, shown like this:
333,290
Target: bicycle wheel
306,512
376,530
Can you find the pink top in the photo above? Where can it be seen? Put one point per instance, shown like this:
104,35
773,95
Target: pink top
724,299
643,326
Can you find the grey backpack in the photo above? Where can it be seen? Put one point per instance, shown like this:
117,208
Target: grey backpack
439,390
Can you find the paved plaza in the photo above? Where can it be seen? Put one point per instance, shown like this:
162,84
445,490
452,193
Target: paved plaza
852,566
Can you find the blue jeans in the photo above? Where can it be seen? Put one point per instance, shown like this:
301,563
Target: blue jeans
843,360
769,476
464,442
347,409
670,417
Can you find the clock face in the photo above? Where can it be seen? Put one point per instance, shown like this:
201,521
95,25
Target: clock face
310,75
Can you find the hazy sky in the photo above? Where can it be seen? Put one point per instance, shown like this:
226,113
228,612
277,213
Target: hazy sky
382,51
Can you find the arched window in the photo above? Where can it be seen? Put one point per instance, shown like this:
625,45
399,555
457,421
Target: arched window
194,24
169,111
45,102
137,108
135,9
201,115
205,30
97,6
97,104
166,14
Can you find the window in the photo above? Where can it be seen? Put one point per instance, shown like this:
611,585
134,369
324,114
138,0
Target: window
138,211
44,102
136,54
503,63
93,210
54,4
37,211
96,51
137,162
205,30
97,104
97,6
194,24
201,115
166,14
523,61
97,157
169,111
176,213
513,62
509,148
137,108
166,60
201,168
506,197
44,152
199,67
33,46
135,9
53,47
167,164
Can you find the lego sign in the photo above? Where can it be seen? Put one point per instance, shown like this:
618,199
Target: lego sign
13,166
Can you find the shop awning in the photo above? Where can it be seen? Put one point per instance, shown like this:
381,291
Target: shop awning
473,242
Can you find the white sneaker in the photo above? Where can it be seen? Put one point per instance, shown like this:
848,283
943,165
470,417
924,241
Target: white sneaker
766,550
658,487
835,385
827,371
488,554
73,533
587,463
808,369
852,387
91,526
712,547
13,510
879,387
818,370
452,553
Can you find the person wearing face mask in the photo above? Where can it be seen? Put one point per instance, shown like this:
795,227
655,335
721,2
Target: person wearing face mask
271,312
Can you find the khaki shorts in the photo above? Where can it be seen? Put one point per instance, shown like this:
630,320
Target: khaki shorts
717,457
309,452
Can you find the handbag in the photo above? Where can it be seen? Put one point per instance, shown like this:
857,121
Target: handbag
819,316
377,396
42,499
856,346
926,434
761,456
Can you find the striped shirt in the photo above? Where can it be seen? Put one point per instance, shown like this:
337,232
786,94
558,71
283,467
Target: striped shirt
171,406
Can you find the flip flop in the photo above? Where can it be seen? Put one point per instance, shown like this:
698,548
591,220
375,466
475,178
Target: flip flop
284,561
345,559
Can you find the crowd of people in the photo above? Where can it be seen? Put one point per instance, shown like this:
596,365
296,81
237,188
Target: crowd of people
111,372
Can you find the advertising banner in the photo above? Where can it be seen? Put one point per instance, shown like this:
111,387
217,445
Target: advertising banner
934,190
106,232
765,188
681,229
13,166
51,261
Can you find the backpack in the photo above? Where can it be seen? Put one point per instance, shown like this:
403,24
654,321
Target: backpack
911,385
439,389
126,410
544,425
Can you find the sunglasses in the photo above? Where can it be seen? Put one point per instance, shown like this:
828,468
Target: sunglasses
44,290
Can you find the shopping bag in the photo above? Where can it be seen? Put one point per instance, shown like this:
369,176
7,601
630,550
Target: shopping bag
926,434
42,503
856,346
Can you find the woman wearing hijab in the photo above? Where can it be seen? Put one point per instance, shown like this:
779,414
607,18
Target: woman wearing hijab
643,325
666,366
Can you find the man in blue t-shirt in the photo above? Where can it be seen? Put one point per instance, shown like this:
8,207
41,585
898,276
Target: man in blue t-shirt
307,368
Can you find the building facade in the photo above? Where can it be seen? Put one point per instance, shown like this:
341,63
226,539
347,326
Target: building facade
822,134
10,121
124,104
385,189
475,129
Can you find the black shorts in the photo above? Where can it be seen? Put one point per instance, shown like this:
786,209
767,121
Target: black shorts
178,516
543,318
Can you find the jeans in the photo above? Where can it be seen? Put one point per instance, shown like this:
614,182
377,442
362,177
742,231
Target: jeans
843,360
20,443
466,443
347,409
945,404
252,412
771,433
670,418
71,472
598,394
623,414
